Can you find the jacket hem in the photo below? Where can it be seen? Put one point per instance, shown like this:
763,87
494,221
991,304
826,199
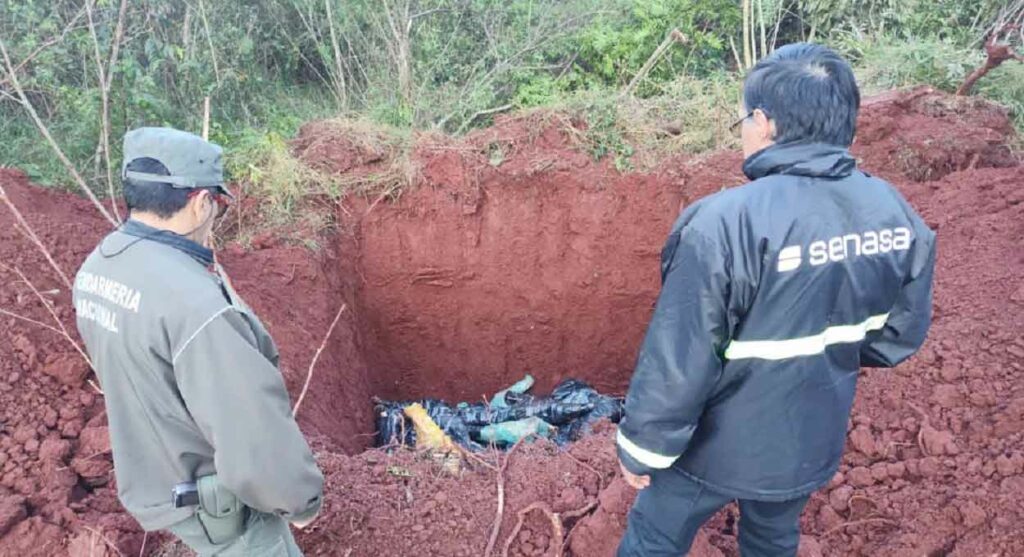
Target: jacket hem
163,518
767,495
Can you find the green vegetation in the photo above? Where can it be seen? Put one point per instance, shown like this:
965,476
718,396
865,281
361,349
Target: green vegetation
448,65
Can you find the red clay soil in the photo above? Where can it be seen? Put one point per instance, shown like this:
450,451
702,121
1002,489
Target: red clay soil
514,253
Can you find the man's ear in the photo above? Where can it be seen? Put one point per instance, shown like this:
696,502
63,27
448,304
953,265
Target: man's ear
198,205
765,127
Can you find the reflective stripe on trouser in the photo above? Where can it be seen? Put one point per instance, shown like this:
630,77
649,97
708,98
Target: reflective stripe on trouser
667,514
804,346
265,535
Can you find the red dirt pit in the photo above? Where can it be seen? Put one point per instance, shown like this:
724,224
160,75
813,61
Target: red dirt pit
540,260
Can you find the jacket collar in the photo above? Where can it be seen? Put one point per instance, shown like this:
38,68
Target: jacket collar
201,254
819,160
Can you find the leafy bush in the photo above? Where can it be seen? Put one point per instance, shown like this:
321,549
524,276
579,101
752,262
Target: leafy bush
885,62
269,65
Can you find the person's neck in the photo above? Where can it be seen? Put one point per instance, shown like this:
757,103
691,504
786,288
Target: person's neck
175,224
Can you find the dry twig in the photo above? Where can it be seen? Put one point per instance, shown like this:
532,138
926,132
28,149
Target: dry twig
339,71
675,36
557,534
925,423
53,314
60,329
29,320
105,540
206,118
309,374
27,230
600,478
500,514
209,41
845,525
105,111
578,513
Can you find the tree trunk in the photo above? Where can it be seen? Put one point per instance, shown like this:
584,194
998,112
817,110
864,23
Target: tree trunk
746,34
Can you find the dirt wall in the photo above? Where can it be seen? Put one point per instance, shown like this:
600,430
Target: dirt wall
517,253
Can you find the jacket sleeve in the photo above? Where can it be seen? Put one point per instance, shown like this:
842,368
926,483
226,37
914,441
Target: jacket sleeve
910,317
238,399
679,361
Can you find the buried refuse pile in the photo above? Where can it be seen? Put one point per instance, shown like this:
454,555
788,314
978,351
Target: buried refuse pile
563,416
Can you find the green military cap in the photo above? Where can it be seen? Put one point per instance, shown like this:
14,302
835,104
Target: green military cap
192,161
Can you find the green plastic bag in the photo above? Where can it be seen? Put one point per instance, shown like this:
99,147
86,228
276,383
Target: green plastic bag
507,433
521,386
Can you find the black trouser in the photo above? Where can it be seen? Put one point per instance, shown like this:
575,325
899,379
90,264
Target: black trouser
667,514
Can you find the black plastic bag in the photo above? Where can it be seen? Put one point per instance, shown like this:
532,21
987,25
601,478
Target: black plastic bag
572,407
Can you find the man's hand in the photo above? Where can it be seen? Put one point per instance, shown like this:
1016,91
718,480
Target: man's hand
638,482
301,524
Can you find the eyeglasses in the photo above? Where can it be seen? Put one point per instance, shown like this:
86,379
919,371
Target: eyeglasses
734,127
737,123
223,202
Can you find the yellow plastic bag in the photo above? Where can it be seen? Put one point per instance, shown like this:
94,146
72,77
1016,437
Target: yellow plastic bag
431,436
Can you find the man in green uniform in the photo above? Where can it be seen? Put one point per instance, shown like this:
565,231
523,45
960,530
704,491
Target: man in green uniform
203,439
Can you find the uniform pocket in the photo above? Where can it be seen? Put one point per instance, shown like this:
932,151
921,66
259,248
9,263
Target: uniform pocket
221,514
223,529
265,536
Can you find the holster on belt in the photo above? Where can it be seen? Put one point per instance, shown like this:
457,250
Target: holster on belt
220,512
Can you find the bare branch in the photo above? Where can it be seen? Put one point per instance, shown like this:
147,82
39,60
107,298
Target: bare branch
339,77
116,47
309,374
481,113
105,112
675,36
55,40
13,76
425,13
206,118
995,54
209,40
29,320
27,230
53,314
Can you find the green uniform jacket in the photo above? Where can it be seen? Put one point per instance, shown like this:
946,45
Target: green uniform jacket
191,383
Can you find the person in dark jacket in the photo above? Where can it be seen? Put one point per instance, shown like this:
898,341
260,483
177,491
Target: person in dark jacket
774,295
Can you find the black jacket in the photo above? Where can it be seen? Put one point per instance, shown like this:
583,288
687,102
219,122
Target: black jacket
774,294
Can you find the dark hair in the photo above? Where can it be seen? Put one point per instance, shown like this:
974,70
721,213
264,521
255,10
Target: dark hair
808,91
154,197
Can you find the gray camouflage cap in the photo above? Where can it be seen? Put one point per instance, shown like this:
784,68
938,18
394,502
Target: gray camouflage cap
192,161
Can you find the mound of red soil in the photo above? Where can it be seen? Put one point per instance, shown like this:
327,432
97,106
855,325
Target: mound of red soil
514,252
924,135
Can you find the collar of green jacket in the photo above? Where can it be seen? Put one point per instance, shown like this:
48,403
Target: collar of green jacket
819,160
198,252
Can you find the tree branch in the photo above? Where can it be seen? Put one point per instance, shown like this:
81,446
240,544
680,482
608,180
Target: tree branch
59,38
105,112
12,75
339,78
27,230
480,113
675,36
996,53
309,374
